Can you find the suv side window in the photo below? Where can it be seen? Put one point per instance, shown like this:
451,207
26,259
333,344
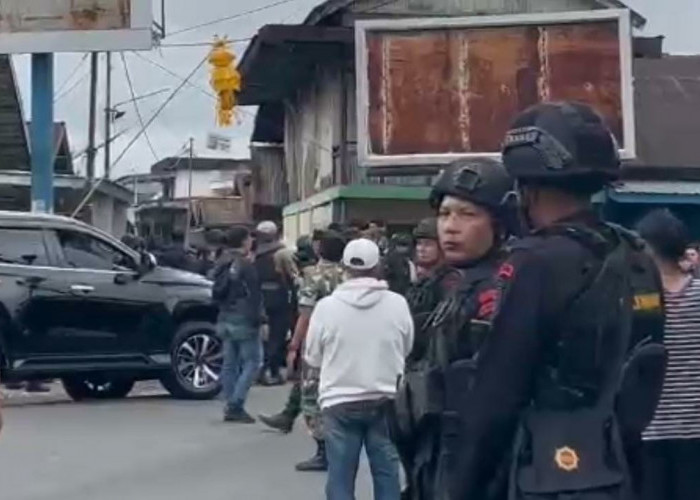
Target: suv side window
23,246
83,251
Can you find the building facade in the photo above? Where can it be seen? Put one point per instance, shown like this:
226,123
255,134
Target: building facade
303,79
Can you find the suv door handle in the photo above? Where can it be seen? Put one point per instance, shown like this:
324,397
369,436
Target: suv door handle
82,288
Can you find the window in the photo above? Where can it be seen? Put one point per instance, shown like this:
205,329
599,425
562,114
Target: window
22,246
82,251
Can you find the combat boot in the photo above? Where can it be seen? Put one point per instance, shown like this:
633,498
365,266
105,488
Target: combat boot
283,422
317,463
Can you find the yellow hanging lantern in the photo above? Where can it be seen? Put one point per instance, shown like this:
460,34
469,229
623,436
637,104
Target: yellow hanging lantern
225,80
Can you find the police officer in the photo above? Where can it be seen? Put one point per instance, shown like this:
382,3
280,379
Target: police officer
470,199
557,399
428,256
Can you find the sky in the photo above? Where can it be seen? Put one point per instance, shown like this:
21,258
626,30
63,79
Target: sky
191,113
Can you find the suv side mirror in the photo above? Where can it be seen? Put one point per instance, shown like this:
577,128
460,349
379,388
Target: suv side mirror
148,262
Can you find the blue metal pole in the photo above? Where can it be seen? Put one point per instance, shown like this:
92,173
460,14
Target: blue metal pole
42,133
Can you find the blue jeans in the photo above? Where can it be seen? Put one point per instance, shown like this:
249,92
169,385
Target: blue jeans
242,362
347,428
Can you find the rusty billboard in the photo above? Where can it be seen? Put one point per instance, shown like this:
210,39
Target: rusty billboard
434,90
34,26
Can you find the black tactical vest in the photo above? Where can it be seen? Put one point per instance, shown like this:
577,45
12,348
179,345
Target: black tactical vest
274,287
570,441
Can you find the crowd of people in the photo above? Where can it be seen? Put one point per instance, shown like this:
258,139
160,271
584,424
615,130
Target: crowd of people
514,346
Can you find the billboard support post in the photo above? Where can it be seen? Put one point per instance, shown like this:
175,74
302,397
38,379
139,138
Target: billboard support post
42,133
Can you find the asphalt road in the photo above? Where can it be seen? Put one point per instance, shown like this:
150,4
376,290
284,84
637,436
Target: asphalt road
152,448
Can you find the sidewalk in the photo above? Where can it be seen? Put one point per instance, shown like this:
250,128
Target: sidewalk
56,395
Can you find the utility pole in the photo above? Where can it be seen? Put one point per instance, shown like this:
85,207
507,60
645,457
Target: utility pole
189,196
108,116
91,151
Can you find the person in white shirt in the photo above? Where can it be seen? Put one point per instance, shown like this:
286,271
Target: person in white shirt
359,337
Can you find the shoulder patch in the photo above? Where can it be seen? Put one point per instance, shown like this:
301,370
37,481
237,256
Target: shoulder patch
647,302
506,271
488,300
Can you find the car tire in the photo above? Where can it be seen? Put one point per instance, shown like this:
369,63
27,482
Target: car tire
195,362
85,387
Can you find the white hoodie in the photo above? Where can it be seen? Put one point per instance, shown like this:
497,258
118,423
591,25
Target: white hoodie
359,337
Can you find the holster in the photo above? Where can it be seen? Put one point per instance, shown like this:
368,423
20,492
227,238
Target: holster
640,387
562,455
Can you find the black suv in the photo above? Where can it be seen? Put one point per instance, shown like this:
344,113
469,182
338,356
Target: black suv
78,305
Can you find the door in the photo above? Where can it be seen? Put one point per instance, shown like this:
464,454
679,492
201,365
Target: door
115,312
32,296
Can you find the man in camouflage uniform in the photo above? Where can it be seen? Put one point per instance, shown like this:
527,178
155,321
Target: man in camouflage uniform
317,282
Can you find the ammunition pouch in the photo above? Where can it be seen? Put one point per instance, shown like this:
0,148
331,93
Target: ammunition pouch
569,455
640,387
425,394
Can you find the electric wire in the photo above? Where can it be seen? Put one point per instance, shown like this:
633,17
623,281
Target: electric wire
204,91
203,44
72,74
233,16
136,107
136,137
70,89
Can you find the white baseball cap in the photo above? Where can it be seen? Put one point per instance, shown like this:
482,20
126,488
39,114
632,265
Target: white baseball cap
361,254
267,227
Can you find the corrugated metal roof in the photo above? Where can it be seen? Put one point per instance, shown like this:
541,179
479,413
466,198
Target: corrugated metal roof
330,7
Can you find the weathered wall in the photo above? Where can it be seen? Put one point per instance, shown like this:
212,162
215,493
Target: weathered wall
313,117
312,130
458,7
270,185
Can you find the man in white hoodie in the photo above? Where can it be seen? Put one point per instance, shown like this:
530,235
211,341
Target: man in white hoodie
359,337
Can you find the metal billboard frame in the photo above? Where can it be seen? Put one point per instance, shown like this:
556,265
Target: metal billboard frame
368,159
138,37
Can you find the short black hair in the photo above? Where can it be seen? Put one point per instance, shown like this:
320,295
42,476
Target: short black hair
332,246
665,233
362,225
335,226
317,235
236,236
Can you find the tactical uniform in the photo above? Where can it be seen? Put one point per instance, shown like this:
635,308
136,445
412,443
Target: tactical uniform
447,308
319,281
572,368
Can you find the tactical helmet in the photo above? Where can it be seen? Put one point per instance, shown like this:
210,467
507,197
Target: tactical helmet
426,229
558,141
484,182
401,240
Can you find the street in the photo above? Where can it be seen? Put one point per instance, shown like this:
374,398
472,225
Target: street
153,447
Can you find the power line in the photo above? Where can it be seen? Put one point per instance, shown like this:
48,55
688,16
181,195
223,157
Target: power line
75,85
175,75
137,136
202,44
136,107
308,140
72,73
234,16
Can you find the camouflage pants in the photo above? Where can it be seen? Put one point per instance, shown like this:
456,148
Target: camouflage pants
310,408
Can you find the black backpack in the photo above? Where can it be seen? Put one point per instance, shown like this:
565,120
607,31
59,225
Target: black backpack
229,286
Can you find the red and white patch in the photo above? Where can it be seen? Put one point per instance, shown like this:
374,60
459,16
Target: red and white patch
488,300
506,271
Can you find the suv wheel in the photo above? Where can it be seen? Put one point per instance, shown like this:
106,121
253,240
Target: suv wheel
84,387
196,361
